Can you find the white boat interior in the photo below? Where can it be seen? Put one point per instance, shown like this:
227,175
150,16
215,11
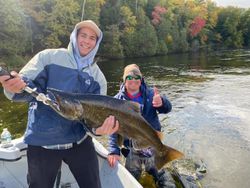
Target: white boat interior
13,169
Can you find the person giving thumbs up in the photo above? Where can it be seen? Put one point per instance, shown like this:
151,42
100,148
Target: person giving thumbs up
157,100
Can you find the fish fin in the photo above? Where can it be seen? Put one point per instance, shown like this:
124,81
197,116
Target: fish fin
168,154
160,135
134,106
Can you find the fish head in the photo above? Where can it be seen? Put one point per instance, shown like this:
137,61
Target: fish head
65,105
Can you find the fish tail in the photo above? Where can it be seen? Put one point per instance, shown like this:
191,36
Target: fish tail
168,154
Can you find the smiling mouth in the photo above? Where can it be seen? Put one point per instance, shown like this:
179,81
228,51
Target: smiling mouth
84,46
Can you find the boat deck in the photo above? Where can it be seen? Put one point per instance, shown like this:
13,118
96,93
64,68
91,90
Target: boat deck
13,169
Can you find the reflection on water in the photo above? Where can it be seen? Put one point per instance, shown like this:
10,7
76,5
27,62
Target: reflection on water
210,120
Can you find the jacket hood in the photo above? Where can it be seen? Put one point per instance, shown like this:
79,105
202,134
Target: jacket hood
83,61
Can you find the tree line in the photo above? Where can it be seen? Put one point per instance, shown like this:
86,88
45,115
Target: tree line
132,28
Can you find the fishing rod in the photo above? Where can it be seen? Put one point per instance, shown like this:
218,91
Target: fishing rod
41,97
33,92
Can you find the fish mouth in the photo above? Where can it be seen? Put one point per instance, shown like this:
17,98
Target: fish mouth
54,100
55,105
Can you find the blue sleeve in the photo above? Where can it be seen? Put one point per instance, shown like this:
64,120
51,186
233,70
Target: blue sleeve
34,74
24,96
113,146
166,104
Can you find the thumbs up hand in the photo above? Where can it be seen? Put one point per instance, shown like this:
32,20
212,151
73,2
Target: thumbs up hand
157,100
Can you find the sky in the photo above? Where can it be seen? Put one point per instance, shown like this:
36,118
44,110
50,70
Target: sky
237,3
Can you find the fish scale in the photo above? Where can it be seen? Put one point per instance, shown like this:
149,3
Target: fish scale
93,109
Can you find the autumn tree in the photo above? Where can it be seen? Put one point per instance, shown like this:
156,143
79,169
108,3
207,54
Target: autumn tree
156,14
196,26
142,42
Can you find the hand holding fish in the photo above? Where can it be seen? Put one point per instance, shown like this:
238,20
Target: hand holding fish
13,85
113,159
109,126
157,100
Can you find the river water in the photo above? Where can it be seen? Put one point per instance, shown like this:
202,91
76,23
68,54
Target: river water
210,120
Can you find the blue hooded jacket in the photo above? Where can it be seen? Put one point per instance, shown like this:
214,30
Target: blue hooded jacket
59,69
148,112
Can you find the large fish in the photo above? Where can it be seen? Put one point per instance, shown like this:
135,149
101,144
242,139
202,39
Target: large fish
94,109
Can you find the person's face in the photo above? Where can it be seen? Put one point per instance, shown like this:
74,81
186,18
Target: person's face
86,40
133,83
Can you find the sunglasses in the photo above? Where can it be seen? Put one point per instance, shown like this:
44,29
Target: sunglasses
136,77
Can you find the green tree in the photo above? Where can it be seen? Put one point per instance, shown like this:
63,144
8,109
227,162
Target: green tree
51,21
128,19
111,46
93,9
135,5
213,36
163,33
176,35
228,27
245,26
110,13
132,28
143,41
61,18
14,29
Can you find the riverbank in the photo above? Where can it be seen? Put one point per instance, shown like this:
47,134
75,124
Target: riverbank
16,62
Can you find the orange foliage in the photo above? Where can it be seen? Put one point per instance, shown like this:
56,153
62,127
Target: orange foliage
196,26
156,14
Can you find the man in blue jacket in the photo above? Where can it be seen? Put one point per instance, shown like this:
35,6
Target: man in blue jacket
51,138
152,103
